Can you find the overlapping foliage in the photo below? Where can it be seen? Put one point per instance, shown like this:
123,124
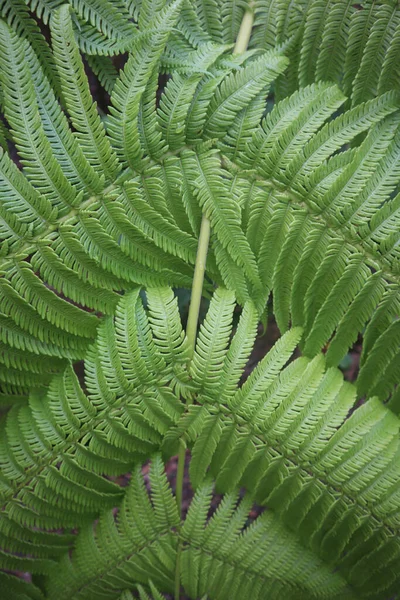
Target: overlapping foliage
303,202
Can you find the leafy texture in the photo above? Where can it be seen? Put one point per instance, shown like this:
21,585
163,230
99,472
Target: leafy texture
93,231
282,434
288,154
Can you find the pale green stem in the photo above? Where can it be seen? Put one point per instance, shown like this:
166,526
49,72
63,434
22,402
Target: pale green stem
243,38
195,301
197,287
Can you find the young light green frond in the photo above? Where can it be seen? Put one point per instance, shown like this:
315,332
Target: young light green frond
212,344
82,110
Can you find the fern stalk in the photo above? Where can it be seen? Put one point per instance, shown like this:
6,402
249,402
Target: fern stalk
198,280
241,45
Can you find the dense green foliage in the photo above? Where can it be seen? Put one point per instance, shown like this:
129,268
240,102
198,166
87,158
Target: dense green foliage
291,150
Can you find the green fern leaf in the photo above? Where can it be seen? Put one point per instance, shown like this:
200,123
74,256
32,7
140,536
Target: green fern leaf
129,90
85,119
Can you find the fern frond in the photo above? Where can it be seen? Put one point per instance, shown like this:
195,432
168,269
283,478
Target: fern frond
283,434
206,12
272,433
238,89
16,14
65,147
219,208
178,94
360,27
110,18
22,113
333,41
123,368
212,342
18,589
315,20
27,209
84,117
381,36
104,69
129,89
306,261
142,539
